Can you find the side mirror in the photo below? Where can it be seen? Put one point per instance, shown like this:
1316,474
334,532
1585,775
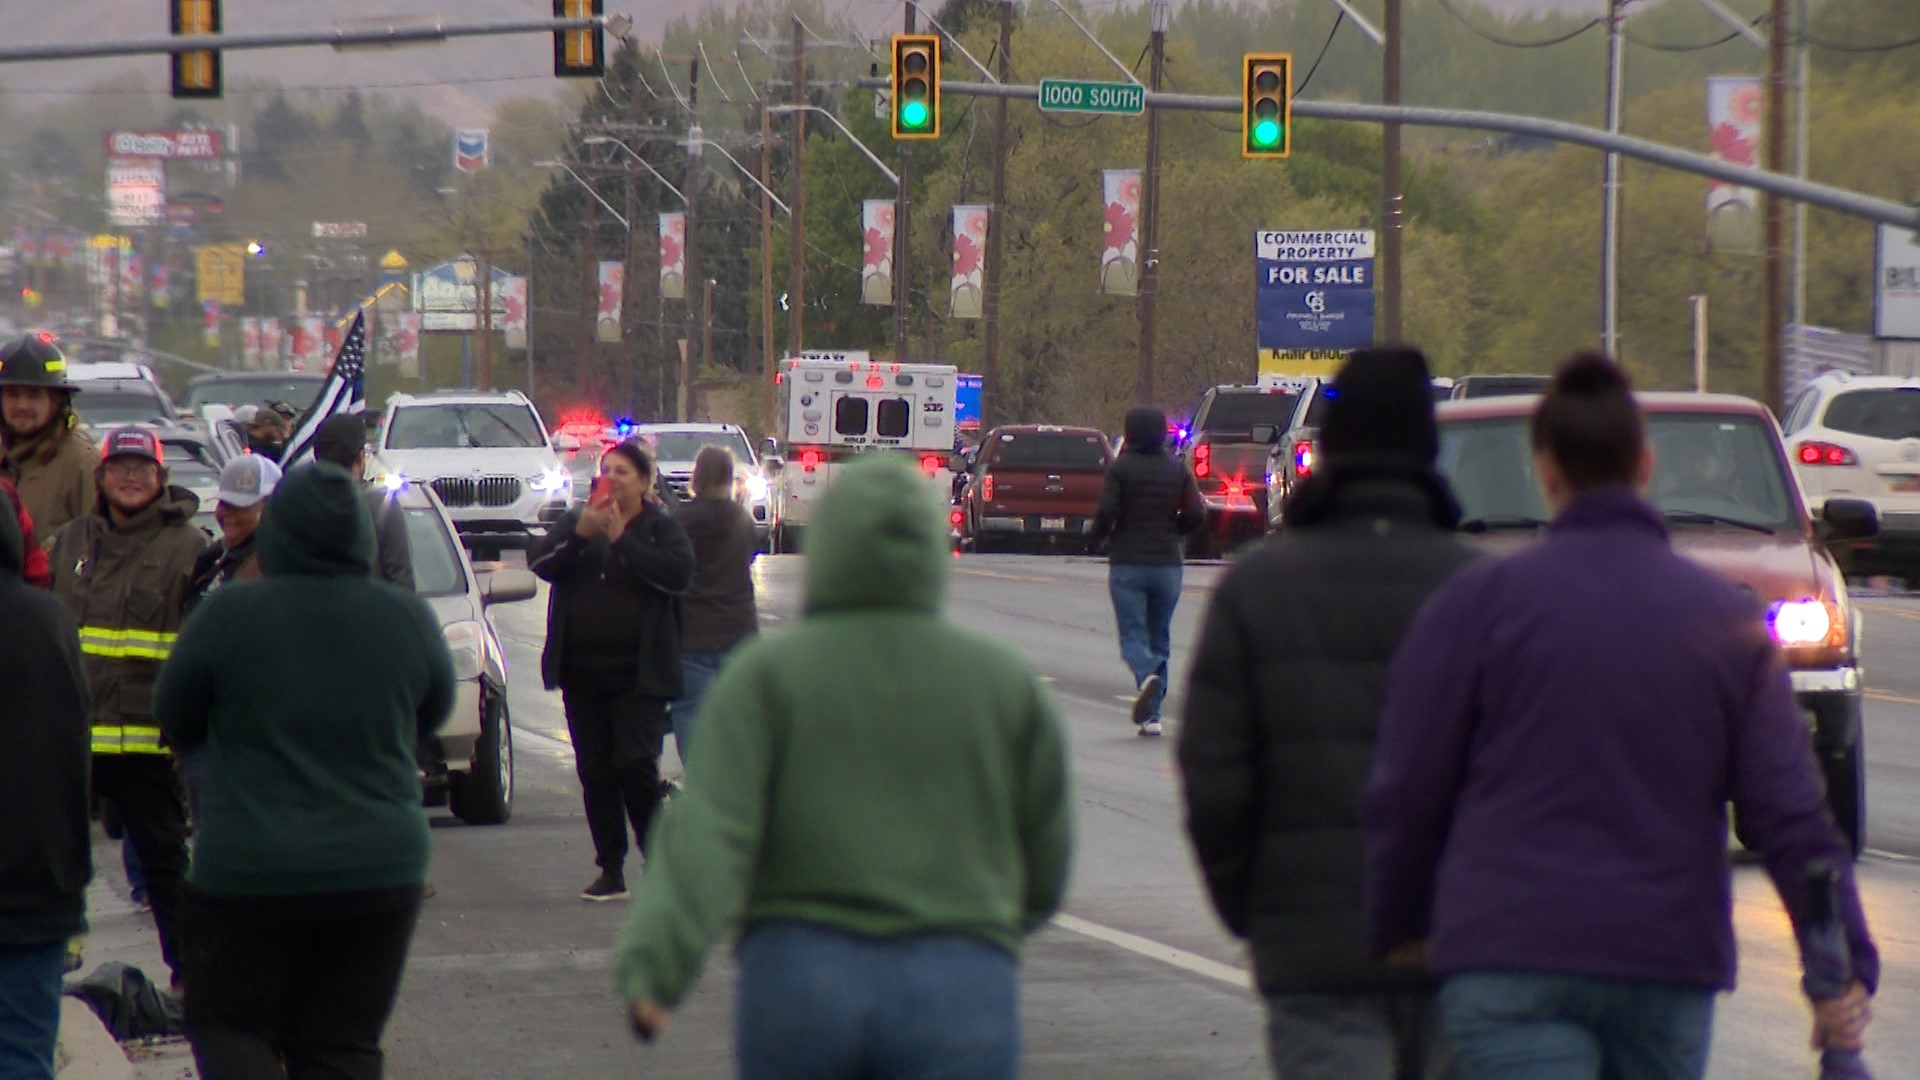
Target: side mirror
1267,434
507,586
1848,519
772,464
957,463
772,447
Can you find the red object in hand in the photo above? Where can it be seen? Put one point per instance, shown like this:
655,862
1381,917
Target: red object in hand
601,494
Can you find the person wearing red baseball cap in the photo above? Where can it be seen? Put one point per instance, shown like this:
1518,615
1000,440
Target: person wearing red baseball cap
124,570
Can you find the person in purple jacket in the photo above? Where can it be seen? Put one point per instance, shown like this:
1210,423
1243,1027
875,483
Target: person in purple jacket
1562,733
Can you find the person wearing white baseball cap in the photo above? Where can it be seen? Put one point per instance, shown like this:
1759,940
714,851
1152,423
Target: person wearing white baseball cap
245,485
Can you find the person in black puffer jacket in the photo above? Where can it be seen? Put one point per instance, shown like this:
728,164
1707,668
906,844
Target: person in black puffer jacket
45,856
1279,728
1148,506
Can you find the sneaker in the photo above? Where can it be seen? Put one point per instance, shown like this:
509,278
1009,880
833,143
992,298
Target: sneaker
1150,729
141,901
608,886
1147,700
668,789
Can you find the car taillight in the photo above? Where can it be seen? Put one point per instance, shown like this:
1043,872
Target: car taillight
1303,458
986,487
955,518
930,464
810,459
1825,453
1202,461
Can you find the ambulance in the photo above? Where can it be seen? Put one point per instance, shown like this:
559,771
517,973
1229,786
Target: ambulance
834,407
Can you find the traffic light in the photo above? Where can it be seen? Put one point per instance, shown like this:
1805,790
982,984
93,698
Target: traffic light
579,53
1266,113
195,74
916,86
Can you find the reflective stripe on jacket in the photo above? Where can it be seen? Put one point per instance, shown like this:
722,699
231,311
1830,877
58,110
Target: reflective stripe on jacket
127,589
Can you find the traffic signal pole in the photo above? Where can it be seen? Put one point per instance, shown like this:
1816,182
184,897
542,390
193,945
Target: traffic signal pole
1774,320
1149,238
903,232
797,217
1392,208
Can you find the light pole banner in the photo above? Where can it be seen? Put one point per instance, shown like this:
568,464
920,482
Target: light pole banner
613,283
969,296
1734,113
673,256
514,296
406,344
210,323
876,266
270,343
250,343
1120,242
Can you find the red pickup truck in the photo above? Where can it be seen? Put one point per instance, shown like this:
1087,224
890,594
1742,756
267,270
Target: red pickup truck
1034,487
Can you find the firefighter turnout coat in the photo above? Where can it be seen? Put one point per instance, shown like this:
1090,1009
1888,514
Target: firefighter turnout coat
127,588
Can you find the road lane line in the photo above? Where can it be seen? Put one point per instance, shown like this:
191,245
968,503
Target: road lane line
1903,613
1896,699
1239,978
1892,855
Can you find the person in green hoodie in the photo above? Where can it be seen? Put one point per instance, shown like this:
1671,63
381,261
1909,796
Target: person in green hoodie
311,847
882,799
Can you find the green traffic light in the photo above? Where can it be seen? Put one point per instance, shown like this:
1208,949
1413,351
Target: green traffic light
1266,133
913,114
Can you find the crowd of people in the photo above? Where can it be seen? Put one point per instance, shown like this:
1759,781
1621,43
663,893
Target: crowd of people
1468,813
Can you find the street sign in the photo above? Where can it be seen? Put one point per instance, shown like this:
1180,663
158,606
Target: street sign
1082,96
222,273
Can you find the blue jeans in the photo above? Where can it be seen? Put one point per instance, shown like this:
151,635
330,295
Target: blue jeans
30,1008
1143,601
697,672
815,1001
130,861
1563,1027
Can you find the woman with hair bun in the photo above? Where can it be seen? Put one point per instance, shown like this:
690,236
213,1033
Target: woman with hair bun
1563,732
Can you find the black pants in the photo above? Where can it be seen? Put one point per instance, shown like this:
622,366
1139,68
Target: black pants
617,735
146,791
296,986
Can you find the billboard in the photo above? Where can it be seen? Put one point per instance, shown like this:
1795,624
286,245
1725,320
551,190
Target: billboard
1313,299
168,145
1896,284
447,296
136,191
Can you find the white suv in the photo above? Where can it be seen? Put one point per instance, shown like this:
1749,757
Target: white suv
1858,436
675,446
487,456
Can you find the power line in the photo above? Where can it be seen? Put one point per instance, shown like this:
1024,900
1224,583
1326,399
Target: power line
1513,43
1841,46
1669,47
1328,44
235,91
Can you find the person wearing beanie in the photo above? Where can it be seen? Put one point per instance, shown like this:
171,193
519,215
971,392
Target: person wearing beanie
245,485
1277,736
311,847
1148,505
1564,731
342,440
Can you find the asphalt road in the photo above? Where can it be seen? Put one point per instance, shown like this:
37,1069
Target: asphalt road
509,971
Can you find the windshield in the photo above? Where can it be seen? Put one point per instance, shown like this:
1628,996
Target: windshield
1480,386
1891,413
1239,412
1048,450
107,408
436,563
1706,466
463,427
681,447
296,390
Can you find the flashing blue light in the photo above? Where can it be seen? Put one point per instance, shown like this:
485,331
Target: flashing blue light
624,426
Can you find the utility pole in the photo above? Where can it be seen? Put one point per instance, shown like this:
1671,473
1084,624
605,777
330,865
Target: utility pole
1774,319
1610,206
766,260
1801,136
996,216
691,333
1148,305
903,235
590,289
1392,212
706,327
796,201
486,314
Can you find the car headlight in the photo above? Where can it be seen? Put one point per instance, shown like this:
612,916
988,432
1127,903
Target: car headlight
393,482
756,487
1802,622
467,641
554,479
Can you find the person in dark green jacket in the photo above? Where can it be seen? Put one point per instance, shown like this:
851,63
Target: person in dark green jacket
311,846
882,798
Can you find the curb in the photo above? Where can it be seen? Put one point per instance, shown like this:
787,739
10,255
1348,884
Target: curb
87,1051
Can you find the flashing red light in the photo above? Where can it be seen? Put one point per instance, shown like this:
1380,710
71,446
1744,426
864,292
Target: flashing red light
875,382
955,518
1236,490
1825,453
46,337
930,464
1202,461
810,459
986,487
1303,458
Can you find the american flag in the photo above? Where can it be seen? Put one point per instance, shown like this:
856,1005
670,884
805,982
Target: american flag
345,391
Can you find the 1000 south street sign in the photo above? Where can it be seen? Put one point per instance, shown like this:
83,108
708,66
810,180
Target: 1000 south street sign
1077,96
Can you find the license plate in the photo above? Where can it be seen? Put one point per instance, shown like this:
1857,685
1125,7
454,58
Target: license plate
1053,524
1904,486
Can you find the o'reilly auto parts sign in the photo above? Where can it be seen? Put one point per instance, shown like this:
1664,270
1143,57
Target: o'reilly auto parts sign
1896,284
196,145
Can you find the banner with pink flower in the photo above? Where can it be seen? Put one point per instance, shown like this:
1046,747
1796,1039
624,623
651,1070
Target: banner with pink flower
1120,243
876,265
613,284
513,296
1734,115
969,294
250,343
673,256
271,343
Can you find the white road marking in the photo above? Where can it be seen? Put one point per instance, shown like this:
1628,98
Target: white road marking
1239,978
1891,855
